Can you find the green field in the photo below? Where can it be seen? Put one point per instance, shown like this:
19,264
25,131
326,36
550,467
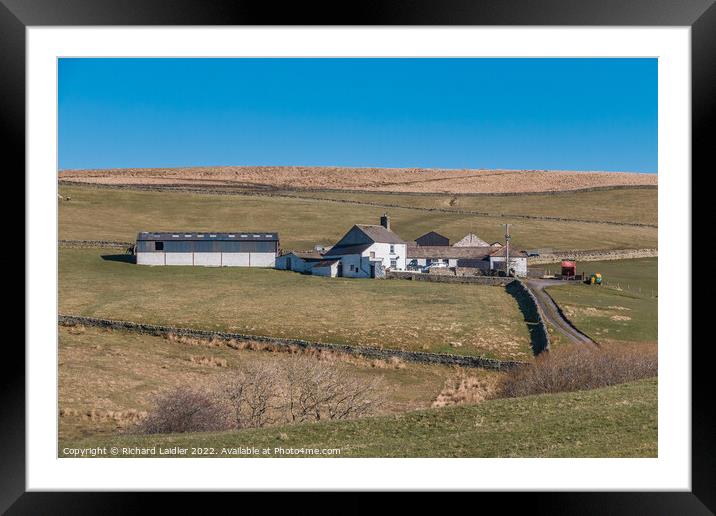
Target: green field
108,214
608,314
112,371
617,421
416,315
639,276
617,205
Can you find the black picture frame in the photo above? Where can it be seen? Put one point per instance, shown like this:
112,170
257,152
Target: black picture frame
700,15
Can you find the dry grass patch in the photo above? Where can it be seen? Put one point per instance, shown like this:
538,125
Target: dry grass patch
270,303
371,179
109,379
466,388
578,367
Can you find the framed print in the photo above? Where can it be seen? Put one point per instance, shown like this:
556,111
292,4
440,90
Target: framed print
413,250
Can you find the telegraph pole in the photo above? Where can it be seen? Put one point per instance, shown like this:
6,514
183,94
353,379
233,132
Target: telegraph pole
507,249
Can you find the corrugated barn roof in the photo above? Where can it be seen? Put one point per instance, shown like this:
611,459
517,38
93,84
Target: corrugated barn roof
257,236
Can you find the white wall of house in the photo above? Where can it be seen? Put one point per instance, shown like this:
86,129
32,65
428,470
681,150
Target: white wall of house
383,253
519,264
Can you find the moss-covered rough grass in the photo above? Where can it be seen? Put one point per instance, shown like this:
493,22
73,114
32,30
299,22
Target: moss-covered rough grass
107,214
617,421
437,317
112,374
617,205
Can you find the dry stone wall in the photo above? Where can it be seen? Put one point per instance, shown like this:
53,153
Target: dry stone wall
593,255
365,351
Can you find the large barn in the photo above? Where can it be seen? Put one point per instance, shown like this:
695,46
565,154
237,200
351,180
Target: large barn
209,249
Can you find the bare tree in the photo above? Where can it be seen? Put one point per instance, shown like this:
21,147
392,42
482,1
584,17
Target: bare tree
316,391
253,396
304,389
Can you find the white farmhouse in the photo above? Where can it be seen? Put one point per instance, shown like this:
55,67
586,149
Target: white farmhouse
366,251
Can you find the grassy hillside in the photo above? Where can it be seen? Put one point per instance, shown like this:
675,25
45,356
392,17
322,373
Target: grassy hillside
618,421
438,317
618,205
118,215
108,374
640,276
608,314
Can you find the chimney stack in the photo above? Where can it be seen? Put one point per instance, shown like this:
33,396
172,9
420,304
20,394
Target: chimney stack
385,221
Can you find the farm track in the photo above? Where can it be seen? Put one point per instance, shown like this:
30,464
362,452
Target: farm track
553,314
233,190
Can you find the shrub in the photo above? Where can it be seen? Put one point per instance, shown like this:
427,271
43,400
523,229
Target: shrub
185,410
578,368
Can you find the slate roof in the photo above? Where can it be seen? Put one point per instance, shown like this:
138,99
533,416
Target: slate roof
379,234
442,251
257,236
305,255
326,263
514,253
346,249
431,234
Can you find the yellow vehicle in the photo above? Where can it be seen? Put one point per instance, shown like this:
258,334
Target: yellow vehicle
595,279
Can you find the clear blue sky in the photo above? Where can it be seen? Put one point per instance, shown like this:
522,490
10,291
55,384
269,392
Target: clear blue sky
568,114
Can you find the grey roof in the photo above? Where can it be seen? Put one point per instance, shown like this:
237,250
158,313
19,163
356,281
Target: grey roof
379,234
305,255
258,236
340,250
443,251
326,263
514,253
432,233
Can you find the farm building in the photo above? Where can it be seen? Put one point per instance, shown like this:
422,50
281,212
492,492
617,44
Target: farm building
485,258
471,240
365,251
478,257
236,249
326,268
518,261
432,238
298,261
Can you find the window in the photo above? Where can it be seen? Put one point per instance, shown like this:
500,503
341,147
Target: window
392,249
393,264
372,254
159,246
